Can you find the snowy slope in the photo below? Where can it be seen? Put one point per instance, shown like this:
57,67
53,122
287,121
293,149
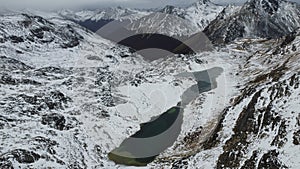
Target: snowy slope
261,127
262,18
178,22
69,106
68,97
51,109
198,14
202,13
161,23
118,13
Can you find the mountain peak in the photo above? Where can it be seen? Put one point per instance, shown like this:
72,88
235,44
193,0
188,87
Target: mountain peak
177,11
201,4
168,9
268,6
203,1
257,18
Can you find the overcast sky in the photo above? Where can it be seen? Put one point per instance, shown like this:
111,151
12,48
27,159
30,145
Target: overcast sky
54,4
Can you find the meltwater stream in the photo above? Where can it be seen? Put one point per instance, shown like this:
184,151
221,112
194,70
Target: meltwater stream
161,132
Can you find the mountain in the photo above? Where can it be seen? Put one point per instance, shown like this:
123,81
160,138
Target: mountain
117,13
175,21
64,92
200,13
194,18
172,10
256,18
43,59
31,30
260,129
95,19
70,98
164,24
179,21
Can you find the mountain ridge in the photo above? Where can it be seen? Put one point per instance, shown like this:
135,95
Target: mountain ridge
261,19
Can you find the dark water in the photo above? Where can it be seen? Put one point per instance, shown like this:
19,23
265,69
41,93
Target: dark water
94,25
161,132
153,137
140,42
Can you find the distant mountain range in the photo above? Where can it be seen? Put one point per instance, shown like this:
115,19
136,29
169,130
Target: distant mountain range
256,18
197,16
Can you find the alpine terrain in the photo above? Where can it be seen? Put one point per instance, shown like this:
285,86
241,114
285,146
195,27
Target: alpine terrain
77,91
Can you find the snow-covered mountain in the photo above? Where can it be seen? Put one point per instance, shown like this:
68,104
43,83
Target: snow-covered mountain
95,19
42,116
118,13
68,106
256,18
68,97
261,127
191,19
202,13
165,24
33,31
199,14
173,10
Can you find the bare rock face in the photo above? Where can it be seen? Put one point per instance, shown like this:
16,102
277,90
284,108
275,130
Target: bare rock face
12,64
19,155
54,121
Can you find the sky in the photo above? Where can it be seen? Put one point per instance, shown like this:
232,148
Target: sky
58,4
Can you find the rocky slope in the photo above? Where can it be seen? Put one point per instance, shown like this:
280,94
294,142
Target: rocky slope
261,127
199,14
68,97
42,115
68,106
256,18
161,23
28,30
